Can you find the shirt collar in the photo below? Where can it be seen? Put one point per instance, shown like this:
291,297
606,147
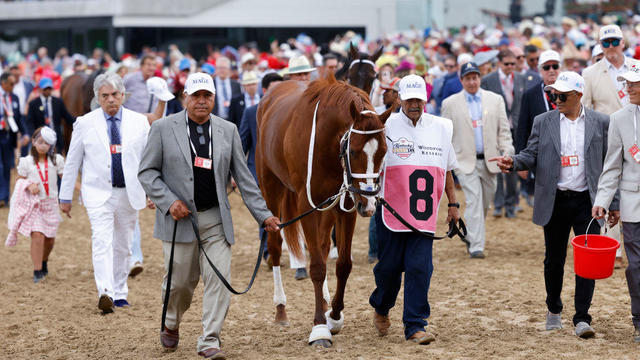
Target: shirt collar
580,118
472,97
118,115
611,67
503,76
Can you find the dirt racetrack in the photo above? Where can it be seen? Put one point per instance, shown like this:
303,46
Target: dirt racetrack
480,309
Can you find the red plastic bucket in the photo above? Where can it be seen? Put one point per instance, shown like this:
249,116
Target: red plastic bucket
594,255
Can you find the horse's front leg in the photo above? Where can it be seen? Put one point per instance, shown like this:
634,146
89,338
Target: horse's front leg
344,233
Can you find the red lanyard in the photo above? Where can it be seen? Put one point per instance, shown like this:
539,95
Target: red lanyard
553,105
45,177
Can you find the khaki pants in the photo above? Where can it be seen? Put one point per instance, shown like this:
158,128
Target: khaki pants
479,187
188,264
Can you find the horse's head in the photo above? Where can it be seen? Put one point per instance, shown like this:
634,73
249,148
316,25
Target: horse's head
363,148
360,69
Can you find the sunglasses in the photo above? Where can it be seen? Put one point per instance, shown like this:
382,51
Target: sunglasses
547,67
607,43
509,64
201,138
520,57
562,97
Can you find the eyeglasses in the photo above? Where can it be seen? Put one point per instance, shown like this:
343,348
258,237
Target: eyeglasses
612,42
449,66
201,138
547,67
509,64
554,97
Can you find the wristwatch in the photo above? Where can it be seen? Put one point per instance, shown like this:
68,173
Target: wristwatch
455,204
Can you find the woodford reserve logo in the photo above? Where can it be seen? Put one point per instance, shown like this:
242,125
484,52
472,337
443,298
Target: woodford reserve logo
403,148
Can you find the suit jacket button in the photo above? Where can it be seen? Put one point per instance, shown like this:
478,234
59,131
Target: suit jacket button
190,179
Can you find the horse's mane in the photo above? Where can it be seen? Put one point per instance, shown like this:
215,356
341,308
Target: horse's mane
336,93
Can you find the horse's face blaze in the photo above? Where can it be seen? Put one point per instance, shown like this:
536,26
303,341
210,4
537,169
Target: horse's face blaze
366,156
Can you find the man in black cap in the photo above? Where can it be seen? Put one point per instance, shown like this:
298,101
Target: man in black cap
479,115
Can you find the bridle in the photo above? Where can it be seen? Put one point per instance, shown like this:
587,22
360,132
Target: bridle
361,61
347,175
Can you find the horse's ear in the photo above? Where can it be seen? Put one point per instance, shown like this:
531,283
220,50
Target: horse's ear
353,52
377,54
353,109
385,115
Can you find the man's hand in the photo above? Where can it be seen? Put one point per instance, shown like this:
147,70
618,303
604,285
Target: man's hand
179,210
453,214
614,216
24,141
505,162
150,204
66,209
597,212
271,224
523,174
34,189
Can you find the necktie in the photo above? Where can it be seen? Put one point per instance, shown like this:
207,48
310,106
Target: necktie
117,176
225,92
47,117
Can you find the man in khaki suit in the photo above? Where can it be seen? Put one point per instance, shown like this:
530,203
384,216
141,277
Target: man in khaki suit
622,170
479,115
603,92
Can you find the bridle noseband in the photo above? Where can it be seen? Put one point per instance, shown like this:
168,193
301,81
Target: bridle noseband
345,145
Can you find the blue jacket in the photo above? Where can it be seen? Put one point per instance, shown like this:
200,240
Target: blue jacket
248,131
451,85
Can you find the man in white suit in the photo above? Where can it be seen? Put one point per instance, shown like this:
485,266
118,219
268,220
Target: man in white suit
603,92
106,146
621,171
480,131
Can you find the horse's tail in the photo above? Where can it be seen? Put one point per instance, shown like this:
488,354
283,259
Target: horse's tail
291,233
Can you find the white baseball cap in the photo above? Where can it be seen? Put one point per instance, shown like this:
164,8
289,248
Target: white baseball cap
597,50
633,75
548,55
199,81
157,87
567,81
610,32
413,87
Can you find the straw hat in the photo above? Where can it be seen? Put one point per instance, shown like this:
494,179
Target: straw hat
249,77
299,64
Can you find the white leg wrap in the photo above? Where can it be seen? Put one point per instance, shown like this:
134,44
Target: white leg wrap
279,298
334,325
320,332
325,291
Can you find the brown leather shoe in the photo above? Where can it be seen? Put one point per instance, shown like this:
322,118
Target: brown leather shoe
422,337
212,353
169,339
105,303
382,323
619,263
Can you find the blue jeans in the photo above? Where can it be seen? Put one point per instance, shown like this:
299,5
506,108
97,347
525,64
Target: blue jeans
409,253
136,249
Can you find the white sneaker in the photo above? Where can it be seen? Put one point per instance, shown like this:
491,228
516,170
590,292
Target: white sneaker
333,253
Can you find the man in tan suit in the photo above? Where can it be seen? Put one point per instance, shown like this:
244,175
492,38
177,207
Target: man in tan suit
477,115
603,92
622,171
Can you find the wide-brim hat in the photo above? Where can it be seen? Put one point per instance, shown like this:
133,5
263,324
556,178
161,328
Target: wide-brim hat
299,65
249,77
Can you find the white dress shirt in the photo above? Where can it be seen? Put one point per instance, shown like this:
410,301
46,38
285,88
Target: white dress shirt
614,73
572,143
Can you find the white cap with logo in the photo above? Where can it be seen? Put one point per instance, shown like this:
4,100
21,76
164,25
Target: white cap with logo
567,81
199,81
610,32
157,86
633,75
413,87
548,55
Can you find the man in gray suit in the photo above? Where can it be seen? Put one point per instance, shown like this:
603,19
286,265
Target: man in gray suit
622,170
511,85
567,148
184,170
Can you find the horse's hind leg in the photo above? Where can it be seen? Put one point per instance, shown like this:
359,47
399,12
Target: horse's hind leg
344,233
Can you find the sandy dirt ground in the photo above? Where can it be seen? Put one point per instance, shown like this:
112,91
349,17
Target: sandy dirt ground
480,309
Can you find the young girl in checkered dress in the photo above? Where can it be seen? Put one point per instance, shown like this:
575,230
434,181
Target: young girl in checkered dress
41,168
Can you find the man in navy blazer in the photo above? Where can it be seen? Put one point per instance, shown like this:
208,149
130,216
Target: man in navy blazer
248,125
11,124
47,110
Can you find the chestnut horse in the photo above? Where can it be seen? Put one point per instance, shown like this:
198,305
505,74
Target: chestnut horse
76,92
313,143
359,69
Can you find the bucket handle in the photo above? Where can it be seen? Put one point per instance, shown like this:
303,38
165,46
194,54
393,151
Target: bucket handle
587,231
